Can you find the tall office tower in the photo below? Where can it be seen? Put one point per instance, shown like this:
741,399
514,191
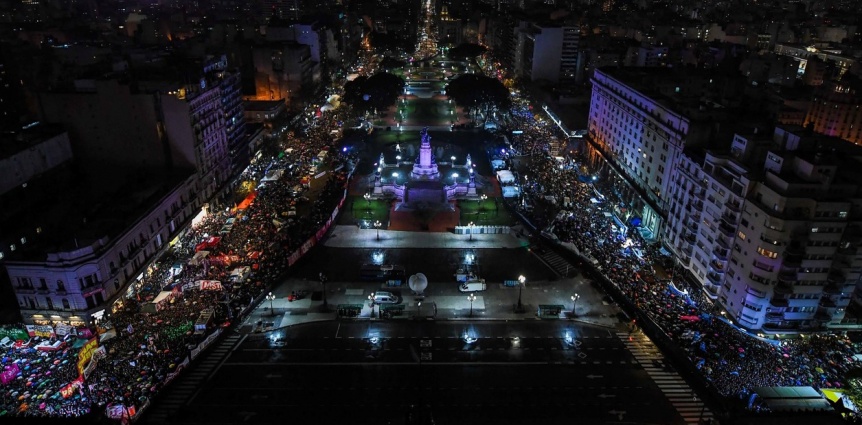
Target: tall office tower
546,52
836,109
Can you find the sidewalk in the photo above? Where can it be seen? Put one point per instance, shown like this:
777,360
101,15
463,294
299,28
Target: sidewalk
444,299
347,236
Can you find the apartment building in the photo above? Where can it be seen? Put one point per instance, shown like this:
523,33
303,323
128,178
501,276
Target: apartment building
836,109
771,228
546,52
794,265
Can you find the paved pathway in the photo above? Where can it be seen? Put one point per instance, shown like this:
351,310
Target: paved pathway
346,236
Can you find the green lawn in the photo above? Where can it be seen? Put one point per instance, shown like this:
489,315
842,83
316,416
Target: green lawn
365,212
484,213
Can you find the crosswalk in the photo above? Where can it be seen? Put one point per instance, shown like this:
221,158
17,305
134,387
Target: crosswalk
681,396
184,388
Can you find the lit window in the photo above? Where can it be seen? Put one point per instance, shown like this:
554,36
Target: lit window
815,229
23,241
842,214
38,230
741,235
767,253
12,247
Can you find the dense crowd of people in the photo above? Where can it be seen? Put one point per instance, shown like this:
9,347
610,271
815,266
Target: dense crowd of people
210,277
734,362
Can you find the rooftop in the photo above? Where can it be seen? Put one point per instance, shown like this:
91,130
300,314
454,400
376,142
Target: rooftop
71,212
32,135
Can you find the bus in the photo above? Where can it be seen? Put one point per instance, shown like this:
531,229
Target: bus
384,272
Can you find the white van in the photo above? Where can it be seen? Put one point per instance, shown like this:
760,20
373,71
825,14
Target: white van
473,286
385,298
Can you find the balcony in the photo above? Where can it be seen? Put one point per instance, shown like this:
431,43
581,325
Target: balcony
852,235
823,315
778,302
832,289
721,253
774,316
781,326
733,207
783,289
794,248
726,229
827,302
847,250
791,260
690,238
692,225
25,290
714,278
836,276
717,266
788,276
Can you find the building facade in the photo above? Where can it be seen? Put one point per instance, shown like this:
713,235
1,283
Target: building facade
640,137
77,282
836,110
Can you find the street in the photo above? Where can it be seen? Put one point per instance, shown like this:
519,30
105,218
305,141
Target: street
373,372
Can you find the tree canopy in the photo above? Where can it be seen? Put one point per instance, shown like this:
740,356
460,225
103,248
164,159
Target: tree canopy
479,93
466,51
379,92
389,63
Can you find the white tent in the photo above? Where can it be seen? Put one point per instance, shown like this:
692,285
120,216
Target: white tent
272,175
510,191
505,176
200,255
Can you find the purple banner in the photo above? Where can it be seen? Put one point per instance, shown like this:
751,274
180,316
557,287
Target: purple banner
9,373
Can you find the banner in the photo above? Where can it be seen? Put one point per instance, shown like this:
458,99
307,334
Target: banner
9,373
85,333
86,354
14,334
116,411
69,390
42,331
64,329
100,353
212,285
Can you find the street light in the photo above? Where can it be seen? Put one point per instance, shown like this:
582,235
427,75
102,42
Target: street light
419,309
371,298
470,226
521,282
453,160
482,202
323,280
377,226
270,296
575,299
367,197
471,298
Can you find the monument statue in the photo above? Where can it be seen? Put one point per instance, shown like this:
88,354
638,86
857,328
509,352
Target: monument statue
425,167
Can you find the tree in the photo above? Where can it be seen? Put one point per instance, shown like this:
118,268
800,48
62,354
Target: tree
380,91
389,63
479,93
466,51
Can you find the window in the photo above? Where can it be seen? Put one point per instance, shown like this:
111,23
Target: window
741,235
60,286
66,304
815,229
842,214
